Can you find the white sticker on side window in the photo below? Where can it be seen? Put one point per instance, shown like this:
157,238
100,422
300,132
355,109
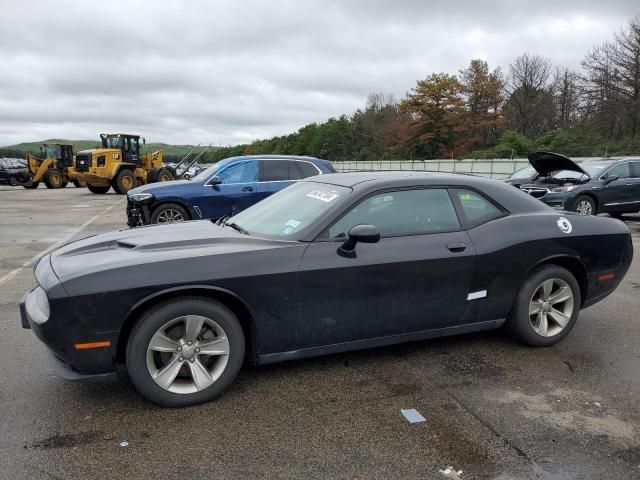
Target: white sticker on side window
324,195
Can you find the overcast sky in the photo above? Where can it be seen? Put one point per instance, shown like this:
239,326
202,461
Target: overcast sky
230,72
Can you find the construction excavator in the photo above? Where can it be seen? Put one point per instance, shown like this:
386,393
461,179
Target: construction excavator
119,165
52,167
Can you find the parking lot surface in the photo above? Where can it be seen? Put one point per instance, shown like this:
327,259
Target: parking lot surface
493,408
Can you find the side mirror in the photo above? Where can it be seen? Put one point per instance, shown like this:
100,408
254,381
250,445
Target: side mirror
610,178
215,180
361,234
144,141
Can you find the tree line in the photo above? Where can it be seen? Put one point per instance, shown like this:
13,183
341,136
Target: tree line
488,113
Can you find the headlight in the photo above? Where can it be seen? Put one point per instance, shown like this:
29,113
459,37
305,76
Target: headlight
569,188
37,306
140,197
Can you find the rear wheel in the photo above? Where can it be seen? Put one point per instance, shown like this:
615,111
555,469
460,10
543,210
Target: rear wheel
185,351
169,213
547,307
53,178
13,181
585,206
164,175
124,181
98,189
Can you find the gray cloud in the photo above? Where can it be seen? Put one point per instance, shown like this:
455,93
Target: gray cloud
234,71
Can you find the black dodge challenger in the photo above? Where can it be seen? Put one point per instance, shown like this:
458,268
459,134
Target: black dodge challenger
332,263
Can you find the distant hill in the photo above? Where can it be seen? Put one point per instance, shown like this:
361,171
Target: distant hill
21,149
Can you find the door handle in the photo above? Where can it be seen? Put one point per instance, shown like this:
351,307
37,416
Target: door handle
247,189
457,247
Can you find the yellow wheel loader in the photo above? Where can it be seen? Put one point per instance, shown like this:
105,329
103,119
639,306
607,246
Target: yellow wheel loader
119,165
52,167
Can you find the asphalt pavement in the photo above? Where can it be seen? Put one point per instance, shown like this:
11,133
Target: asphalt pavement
493,408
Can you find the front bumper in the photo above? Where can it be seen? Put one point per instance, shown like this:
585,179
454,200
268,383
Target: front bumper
60,332
138,214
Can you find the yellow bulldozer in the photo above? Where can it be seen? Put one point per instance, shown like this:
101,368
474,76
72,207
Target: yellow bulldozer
52,167
119,164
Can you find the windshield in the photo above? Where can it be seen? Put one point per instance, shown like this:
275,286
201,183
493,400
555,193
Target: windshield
52,151
111,141
209,171
525,172
286,213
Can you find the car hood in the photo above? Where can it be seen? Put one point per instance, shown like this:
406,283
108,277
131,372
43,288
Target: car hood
155,243
161,188
547,162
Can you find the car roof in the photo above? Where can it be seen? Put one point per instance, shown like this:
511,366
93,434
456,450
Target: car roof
270,156
513,199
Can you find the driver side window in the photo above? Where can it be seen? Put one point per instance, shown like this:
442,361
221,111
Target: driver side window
401,212
621,170
244,172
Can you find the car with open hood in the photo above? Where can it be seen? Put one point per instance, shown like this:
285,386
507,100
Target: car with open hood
329,264
609,185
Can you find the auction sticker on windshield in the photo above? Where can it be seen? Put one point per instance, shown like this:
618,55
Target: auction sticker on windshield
324,195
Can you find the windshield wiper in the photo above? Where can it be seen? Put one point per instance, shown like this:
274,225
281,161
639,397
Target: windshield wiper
237,227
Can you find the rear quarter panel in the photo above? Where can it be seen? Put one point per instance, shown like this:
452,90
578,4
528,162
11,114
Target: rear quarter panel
510,248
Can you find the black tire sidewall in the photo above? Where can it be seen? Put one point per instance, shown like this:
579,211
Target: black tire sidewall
13,181
519,322
164,206
155,318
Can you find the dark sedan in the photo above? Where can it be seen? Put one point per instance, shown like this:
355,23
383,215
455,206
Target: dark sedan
332,263
595,186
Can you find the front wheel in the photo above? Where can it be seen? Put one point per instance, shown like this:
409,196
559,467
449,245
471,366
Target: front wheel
31,185
13,181
169,213
585,206
185,351
547,307
53,178
124,181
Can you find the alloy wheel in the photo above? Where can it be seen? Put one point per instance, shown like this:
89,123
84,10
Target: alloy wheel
584,207
170,215
551,307
187,354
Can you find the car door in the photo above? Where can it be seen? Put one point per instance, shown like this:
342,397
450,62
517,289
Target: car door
616,195
635,185
237,190
276,174
416,278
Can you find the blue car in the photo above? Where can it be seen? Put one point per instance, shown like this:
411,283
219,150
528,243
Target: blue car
224,189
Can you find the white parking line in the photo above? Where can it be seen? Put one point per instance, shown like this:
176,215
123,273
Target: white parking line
59,243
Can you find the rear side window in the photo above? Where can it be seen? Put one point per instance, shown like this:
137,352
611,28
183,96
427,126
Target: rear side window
635,169
294,171
307,169
275,170
476,208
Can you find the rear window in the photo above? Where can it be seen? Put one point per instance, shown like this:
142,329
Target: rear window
635,169
307,169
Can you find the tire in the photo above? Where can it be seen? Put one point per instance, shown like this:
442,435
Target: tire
124,181
78,184
529,327
100,190
585,205
169,213
53,178
186,176
64,183
13,181
31,185
170,319
164,175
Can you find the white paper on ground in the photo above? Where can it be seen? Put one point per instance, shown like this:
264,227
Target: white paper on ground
412,415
